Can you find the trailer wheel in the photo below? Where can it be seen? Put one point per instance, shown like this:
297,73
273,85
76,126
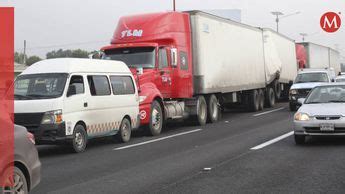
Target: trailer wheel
79,139
156,120
213,109
277,89
201,116
270,97
262,99
254,101
124,134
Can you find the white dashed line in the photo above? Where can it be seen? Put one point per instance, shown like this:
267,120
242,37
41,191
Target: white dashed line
272,141
267,112
155,140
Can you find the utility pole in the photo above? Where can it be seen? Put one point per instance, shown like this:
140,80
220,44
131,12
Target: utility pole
24,57
279,15
174,5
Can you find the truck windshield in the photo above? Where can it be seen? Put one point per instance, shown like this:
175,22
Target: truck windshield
134,57
311,77
39,86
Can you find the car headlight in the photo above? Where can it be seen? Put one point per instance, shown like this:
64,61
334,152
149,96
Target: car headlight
302,116
293,92
142,98
52,117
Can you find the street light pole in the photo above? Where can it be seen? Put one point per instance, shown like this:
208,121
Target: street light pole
278,18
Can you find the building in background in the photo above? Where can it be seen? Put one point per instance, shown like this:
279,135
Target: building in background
232,14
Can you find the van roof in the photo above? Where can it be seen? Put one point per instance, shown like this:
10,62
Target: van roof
74,65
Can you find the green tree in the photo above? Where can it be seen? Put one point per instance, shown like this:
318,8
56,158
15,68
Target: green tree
78,53
33,59
19,57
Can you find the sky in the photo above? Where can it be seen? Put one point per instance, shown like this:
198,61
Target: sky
89,24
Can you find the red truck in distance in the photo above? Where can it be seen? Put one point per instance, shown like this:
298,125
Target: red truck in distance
193,64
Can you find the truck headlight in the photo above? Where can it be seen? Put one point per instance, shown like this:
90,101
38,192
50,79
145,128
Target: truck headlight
142,98
293,92
52,117
302,116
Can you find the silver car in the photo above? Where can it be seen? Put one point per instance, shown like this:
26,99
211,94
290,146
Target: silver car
322,113
21,168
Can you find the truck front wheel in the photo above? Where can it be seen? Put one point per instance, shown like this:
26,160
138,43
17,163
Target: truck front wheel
213,109
156,120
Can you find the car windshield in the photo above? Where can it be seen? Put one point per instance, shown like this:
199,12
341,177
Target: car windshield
311,77
327,94
39,86
143,57
340,79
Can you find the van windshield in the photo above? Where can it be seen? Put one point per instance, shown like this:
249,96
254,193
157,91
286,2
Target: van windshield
39,86
143,57
311,77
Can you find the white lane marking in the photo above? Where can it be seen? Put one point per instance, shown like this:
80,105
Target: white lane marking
272,141
267,112
159,139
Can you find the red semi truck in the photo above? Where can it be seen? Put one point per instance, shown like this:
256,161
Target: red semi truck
193,64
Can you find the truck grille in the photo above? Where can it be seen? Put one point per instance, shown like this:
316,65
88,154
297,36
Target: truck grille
28,120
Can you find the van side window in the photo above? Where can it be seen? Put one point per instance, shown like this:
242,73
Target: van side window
183,60
122,85
163,58
78,82
99,85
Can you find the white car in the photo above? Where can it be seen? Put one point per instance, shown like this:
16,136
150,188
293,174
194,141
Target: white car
73,100
340,78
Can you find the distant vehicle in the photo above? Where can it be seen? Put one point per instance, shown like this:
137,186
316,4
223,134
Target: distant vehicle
322,113
320,57
340,78
183,77
305,81
73,100
25,174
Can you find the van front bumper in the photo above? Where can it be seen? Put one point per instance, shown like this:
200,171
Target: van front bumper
50,133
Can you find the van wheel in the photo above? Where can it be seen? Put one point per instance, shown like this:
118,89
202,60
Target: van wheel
254,101
270,97
213,109
79,139
124,134
156,120
15,181
201,113
262,99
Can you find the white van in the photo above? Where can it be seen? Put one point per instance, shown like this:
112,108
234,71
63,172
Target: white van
73,100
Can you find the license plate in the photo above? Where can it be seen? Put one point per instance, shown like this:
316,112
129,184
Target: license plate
327,127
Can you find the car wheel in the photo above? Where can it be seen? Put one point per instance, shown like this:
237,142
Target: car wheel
213,109
79,139
156,119
270,98
15,182
124,134
292,107
299,139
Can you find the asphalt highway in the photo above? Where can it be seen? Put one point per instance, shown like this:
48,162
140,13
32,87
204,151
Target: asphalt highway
243,153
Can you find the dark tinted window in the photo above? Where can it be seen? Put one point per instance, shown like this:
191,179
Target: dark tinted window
163,58
183,60
78,82
122,85
99,85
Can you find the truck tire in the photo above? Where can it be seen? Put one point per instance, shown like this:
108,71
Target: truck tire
79,141
277,89
270,97
124,134
213,109
254,101
156,119
201,117
262,99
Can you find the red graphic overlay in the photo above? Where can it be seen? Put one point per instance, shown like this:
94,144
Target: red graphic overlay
330,22
6,94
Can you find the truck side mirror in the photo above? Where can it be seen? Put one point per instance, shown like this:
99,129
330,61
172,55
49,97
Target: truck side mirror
72,90
174,57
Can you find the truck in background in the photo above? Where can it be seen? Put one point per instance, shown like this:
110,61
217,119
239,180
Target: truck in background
193,64
321,57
